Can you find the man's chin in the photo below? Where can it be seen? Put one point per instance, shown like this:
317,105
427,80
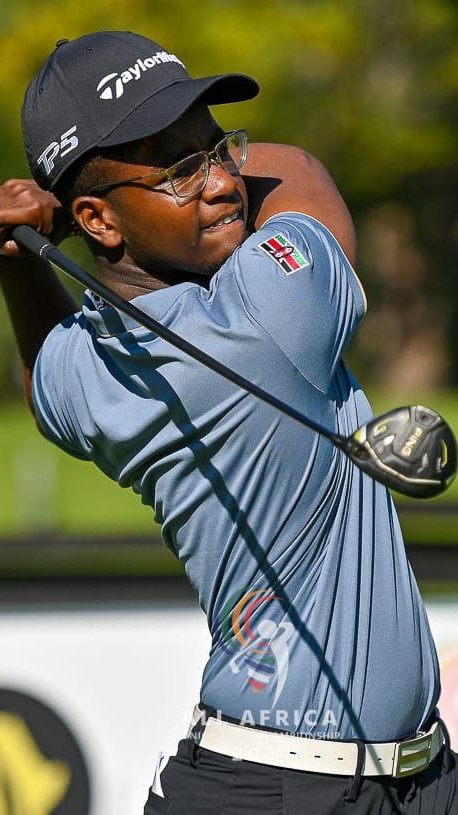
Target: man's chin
211,266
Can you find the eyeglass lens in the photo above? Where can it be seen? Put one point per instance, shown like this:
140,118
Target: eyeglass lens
190,175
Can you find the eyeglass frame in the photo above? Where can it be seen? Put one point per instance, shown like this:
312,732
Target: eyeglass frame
209,156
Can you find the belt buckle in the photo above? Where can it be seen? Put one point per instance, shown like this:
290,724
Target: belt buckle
412,756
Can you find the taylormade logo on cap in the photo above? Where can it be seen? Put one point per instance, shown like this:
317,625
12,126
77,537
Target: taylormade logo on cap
111,86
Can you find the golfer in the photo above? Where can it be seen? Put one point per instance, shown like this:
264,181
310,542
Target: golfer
320,692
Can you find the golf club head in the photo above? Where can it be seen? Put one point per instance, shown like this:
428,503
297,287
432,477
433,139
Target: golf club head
410,449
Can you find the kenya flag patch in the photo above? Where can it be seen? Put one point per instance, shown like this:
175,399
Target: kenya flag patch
284,253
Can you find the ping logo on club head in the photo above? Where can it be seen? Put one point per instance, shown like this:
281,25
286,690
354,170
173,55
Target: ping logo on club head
42,767
108,89
412,442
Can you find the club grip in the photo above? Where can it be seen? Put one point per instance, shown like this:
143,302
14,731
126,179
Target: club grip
30,239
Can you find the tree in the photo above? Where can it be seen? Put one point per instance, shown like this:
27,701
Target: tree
369,86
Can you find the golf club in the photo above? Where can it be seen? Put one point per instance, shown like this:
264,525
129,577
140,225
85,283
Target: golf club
411,449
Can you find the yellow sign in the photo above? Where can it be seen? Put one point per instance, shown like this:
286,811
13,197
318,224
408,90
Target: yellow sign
30,783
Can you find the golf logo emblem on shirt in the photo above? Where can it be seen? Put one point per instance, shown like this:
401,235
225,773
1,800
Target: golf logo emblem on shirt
256,644
42,768
284,253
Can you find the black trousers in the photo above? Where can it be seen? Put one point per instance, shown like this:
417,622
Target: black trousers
201,782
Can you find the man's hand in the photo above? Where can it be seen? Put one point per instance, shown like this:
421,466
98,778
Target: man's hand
22,201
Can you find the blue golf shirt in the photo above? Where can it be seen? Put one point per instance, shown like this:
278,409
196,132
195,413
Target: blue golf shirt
296,556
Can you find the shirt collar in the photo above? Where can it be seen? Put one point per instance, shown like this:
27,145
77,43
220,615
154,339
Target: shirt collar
109,321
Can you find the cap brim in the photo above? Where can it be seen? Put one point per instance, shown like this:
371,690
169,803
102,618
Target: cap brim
167,105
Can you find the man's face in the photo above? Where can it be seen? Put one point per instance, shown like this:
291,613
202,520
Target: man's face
162,234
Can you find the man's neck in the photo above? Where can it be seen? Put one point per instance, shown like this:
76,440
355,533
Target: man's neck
129,281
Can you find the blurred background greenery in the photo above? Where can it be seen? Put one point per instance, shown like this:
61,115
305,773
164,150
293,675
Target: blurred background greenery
371,88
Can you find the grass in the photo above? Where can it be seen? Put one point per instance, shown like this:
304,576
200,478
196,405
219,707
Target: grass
45,491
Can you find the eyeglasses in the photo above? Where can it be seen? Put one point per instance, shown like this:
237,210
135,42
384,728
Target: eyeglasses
189,176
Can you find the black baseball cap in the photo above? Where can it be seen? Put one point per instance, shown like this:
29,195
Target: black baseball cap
109,88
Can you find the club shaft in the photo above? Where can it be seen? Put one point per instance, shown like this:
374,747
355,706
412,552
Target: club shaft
41,247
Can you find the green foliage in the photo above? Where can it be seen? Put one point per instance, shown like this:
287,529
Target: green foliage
369,86
45,492
370,81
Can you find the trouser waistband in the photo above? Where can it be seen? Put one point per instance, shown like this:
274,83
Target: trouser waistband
299,752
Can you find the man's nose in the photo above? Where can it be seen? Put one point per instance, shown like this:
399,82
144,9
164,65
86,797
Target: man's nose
219,183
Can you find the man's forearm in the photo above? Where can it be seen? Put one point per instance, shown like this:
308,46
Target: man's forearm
36,301
35,297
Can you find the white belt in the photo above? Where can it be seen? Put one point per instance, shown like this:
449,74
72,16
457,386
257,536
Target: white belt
396,759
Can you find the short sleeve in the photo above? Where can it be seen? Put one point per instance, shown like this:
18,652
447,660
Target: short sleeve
297,284
53,410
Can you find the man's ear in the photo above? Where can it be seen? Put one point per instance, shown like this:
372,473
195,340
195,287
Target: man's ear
97,219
